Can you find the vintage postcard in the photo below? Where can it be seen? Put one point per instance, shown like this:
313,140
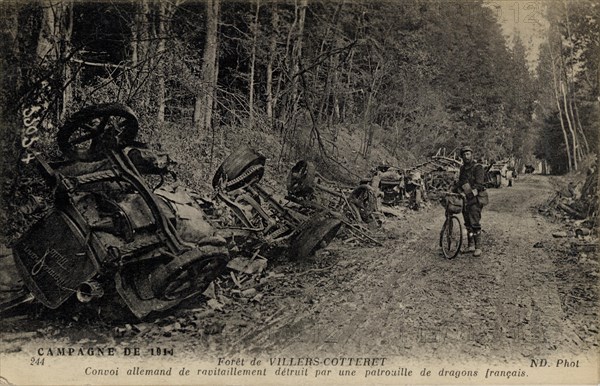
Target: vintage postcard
299,192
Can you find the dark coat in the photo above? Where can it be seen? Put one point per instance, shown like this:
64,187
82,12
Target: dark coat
473,174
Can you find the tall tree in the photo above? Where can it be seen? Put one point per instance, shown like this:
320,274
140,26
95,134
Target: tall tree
572,35
203,108
164,13
54,48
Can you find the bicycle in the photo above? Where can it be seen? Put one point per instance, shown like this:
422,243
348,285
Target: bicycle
452,234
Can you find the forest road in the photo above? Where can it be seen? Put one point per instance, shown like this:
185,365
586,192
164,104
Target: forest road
405,300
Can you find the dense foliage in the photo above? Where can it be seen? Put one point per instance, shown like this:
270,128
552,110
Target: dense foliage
342,82
567,112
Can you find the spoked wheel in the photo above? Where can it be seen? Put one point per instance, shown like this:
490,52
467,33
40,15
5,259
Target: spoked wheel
301,178
451,237
189,273
90,132
191,280
241,168
317,234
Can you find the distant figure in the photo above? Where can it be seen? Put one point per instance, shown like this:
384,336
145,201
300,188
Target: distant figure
509,177
571,189
471,183
375,185
415,190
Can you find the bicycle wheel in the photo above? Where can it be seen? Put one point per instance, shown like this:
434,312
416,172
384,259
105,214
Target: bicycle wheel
451,237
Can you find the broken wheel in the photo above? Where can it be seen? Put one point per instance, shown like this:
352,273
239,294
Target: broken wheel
241,168
93,130
316,234
190,272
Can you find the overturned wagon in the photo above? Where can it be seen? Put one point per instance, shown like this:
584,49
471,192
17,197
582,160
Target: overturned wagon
494,173
313,192
109,234
390,181
260,218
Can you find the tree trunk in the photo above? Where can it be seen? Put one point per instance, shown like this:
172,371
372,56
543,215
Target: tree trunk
326,44
12,83
53,49
297,54
65,53
47,51
295,57
581,132
255,30
570,82
557,100
272,55
161,92
142,26
143,34
203,107
576,125
135,35
570,125
19,36
288,60
368,137
565,91
332,67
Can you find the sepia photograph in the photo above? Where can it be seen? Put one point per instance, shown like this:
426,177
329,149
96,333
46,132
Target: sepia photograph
299,192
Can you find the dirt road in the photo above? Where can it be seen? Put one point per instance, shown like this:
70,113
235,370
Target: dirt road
401,299
405,299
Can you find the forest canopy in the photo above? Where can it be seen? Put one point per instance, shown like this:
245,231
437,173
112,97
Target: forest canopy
395,80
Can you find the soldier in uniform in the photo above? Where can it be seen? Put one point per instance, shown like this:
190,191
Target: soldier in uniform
470,182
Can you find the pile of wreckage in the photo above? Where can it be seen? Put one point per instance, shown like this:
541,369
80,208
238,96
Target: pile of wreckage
121,227
577,204
413,186
499,173
387,187
382,193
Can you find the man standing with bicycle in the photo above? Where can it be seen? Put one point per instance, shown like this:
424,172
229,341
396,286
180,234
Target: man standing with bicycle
470,183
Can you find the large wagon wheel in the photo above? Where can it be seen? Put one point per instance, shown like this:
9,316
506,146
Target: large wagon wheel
90,132
190,273
241,168
317,234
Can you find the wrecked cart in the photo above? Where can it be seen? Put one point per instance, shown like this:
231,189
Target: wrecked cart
108,233
259,218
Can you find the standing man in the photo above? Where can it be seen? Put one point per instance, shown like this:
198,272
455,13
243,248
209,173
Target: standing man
470,182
